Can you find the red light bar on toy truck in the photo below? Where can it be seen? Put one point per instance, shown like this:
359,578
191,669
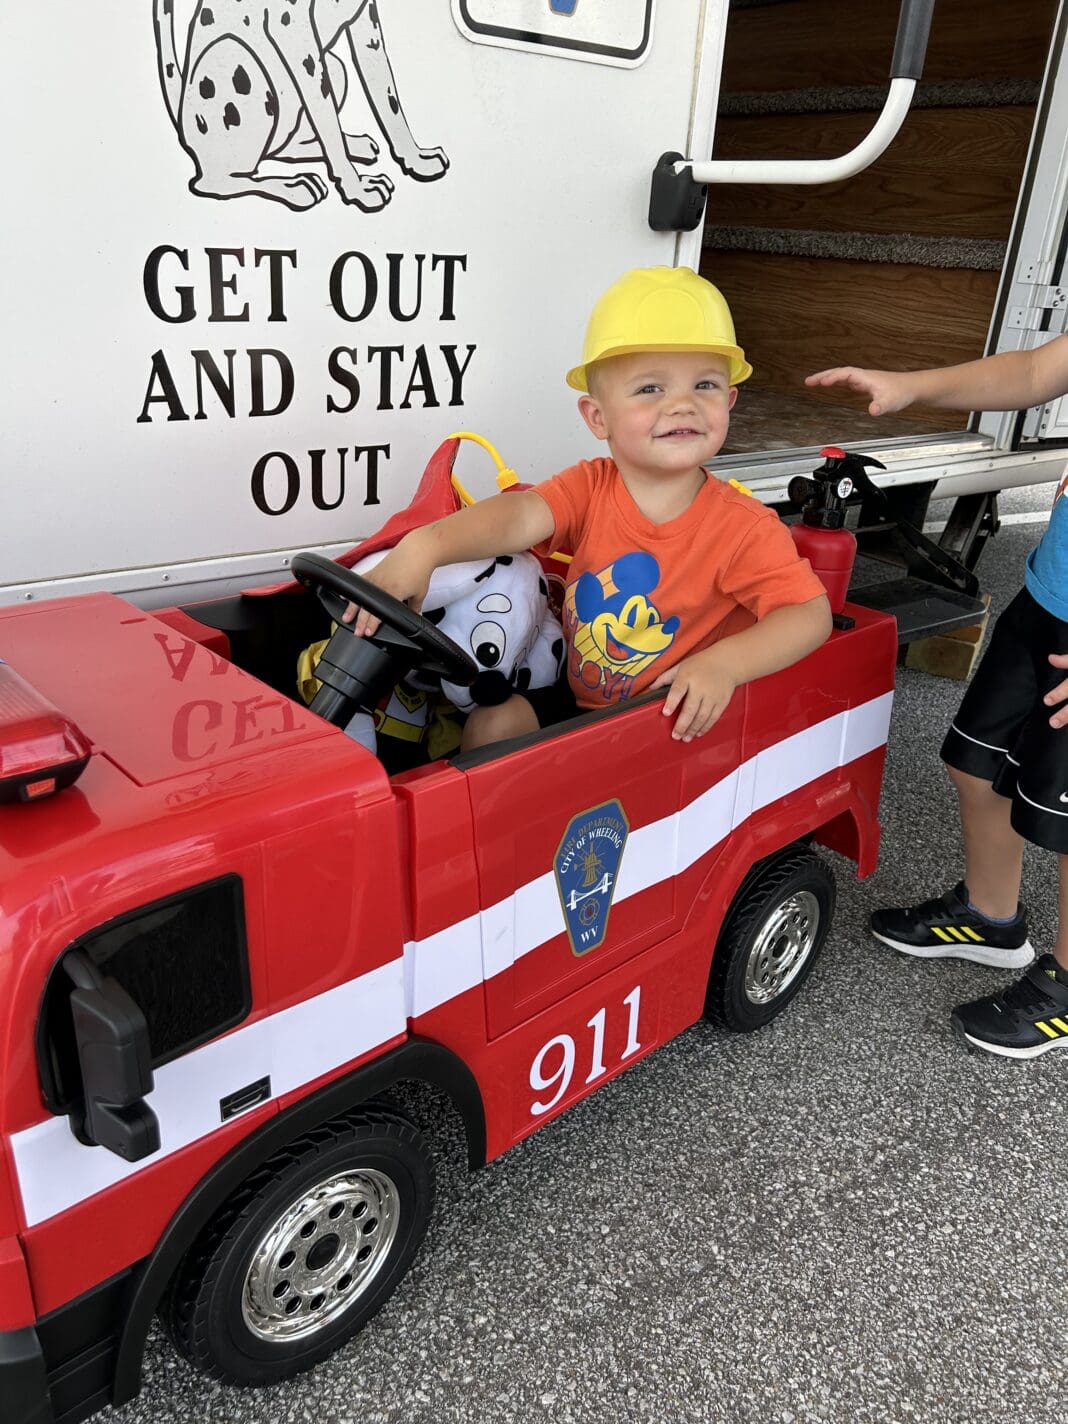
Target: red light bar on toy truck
41,751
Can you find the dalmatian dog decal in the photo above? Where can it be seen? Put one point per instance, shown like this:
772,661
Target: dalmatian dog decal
257,100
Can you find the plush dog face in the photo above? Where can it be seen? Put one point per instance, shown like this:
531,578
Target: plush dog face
498,611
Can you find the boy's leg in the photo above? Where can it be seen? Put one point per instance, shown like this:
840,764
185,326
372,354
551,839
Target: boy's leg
993,851
523,712
980,918
497,724
1030,1017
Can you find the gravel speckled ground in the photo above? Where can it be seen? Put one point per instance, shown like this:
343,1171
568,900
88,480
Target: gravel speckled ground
844,1219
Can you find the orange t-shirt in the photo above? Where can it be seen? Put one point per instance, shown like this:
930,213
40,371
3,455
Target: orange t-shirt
642,596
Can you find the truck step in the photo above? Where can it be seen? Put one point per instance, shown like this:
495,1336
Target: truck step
953,654
922,609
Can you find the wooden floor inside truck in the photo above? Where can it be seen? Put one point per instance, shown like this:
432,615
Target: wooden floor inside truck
898,266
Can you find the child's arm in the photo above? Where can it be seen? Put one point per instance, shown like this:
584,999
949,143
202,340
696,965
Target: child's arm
1013,380
502,524
704,682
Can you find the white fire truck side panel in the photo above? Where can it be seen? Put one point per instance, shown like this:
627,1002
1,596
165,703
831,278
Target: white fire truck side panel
261,259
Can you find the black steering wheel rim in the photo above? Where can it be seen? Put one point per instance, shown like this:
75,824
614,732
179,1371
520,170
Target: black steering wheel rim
323,575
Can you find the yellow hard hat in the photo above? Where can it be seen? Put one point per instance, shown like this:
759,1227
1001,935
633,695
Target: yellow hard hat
660,309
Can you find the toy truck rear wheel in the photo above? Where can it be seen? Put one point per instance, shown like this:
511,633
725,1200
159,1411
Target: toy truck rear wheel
305,1251
770,939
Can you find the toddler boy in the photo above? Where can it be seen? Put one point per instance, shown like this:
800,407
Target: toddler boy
676,579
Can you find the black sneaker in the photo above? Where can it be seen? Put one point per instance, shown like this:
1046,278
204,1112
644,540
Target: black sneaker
946,929
1024,1020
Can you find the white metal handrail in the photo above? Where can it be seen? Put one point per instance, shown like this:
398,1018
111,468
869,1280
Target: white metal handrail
812,170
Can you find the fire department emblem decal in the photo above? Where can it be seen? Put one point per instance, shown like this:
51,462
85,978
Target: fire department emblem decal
586,867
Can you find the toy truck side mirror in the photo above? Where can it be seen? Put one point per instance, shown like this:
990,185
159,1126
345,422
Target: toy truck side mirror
111,1037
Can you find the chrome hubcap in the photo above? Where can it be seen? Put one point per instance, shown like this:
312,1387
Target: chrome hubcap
781,948
320,1256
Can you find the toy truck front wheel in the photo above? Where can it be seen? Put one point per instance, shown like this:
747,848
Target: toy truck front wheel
770,939
305,1251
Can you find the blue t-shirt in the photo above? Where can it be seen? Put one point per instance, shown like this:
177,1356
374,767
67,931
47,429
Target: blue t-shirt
1046,576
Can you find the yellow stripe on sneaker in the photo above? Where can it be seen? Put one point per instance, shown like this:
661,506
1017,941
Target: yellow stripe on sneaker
941,934
1059,1023
1049,1032
956,933
971,934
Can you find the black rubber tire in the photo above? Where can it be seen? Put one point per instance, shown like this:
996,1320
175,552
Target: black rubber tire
203,1309
767,888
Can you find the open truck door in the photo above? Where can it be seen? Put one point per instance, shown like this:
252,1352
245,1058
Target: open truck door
1032,303
915,261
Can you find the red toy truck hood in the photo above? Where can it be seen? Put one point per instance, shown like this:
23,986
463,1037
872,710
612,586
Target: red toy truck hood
191,758
154,704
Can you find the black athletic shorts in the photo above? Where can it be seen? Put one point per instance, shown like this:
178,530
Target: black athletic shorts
1002,733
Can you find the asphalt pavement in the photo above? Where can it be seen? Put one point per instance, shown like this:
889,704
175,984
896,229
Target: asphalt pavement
842,1219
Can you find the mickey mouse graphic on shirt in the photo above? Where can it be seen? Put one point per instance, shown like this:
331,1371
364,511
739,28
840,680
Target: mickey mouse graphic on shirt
616,630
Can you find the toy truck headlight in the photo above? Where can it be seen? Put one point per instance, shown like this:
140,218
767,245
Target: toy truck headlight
41,750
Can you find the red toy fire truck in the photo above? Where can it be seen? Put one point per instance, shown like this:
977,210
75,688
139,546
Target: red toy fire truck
229,941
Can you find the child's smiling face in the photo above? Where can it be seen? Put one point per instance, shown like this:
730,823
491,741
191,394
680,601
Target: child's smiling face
661,412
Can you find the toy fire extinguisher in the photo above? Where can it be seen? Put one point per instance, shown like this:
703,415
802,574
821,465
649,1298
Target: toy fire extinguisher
821,536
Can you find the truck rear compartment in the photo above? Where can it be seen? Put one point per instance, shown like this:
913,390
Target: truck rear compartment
898,266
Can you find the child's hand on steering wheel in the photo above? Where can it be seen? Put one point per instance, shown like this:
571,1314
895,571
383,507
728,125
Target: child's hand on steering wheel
404,573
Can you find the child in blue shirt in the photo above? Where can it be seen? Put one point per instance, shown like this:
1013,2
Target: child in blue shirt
1006,752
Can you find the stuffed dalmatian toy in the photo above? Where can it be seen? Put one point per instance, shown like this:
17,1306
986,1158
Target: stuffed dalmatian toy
498,611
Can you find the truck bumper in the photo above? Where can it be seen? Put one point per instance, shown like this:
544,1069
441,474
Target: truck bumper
23,1378
62,1369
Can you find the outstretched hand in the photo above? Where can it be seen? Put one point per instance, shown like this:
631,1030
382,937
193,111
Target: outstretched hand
1058,693
887,391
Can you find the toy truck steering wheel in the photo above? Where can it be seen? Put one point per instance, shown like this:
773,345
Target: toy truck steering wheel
355,672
